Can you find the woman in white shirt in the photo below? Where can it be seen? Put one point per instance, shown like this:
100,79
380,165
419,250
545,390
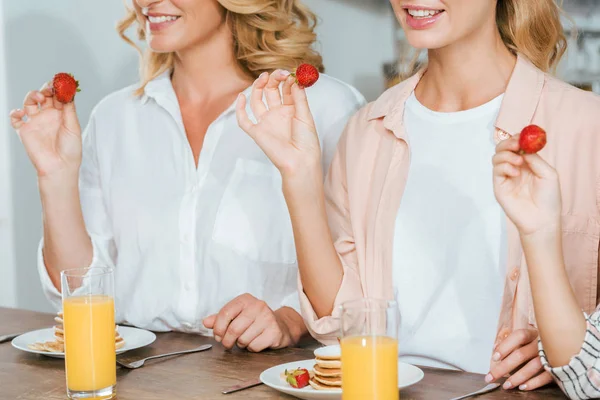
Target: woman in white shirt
167,189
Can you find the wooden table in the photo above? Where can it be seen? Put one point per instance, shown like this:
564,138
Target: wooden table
27,376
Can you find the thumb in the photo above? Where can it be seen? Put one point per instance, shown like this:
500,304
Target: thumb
70,118
209,322
539,167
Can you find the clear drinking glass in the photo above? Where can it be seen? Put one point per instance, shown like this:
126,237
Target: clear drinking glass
369,343
89,329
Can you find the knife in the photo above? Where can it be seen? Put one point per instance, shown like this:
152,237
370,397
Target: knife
6,338
242,386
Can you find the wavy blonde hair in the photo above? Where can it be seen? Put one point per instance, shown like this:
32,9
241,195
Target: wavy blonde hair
533,28
267,34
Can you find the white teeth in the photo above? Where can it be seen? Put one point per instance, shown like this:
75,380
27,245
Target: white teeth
163,18
423,13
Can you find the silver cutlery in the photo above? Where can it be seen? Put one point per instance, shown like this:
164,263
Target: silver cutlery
140,363
6,338
242,386
489,388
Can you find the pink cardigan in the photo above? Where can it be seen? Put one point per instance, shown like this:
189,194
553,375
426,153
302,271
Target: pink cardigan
370,169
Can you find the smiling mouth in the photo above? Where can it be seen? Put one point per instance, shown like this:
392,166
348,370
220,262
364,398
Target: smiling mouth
422,13
159,19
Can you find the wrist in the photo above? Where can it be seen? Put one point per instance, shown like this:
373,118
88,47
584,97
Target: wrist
293,324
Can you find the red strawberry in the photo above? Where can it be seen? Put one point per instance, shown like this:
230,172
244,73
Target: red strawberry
65,87
532,140
297,378
306,75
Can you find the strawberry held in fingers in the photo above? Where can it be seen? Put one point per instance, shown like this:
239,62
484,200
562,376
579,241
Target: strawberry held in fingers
306,75
532,139
65,87
297,378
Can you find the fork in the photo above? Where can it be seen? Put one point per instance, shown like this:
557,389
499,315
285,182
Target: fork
489,388
140,363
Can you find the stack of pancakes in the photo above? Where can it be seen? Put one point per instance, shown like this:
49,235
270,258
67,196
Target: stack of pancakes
58,345
327,373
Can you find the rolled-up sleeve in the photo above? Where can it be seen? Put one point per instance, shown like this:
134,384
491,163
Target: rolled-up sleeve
327,329
94,213
580,379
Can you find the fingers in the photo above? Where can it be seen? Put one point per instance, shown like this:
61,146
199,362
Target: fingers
507,157
32,101
237,327
286,91
539,381
227,314
515,340
511,144
242,115
209,322
253,332
48,93
532,369
256,98
301,103
16,118
263,341
272,93
514,360
539,167
506,170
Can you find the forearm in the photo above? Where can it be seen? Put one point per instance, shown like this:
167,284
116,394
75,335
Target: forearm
560,320
293,322
66,242
320,268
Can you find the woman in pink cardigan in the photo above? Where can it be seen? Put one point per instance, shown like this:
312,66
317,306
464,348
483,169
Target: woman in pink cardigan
408,208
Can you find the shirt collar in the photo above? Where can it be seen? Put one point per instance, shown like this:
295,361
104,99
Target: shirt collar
518,106
159,86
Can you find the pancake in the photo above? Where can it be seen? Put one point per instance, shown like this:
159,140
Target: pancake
327,372
335,382
320,386
329,364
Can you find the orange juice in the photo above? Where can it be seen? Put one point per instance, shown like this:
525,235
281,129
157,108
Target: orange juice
369,368
90,358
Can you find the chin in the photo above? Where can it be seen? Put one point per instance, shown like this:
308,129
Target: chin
427,40
163,44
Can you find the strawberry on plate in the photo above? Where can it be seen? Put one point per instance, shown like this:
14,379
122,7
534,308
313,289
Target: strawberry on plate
65,87
297,378
532,139
306,75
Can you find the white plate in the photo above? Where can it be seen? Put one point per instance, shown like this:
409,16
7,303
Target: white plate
408,375
134,339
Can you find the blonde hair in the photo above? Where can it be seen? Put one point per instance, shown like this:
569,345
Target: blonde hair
267,34
533,28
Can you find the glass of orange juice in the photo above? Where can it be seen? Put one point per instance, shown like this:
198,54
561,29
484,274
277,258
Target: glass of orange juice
369,344
89,329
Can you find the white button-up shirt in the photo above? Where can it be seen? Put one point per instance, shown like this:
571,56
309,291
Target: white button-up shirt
185,240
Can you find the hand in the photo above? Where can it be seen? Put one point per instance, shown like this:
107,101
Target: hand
527,188
249,323
51,134
518,355
285,129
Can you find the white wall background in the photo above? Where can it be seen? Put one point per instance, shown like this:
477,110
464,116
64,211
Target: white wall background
43,37
8,287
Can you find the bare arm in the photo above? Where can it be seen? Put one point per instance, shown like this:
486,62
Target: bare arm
52,138
286,133
529,191
561,323
66,242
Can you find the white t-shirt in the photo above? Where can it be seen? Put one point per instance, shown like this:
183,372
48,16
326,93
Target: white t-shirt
185,240
449,242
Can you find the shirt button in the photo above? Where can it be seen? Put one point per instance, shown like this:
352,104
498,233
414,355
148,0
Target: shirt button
500,135
514,275
187,325
186,237
503,334
187,286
